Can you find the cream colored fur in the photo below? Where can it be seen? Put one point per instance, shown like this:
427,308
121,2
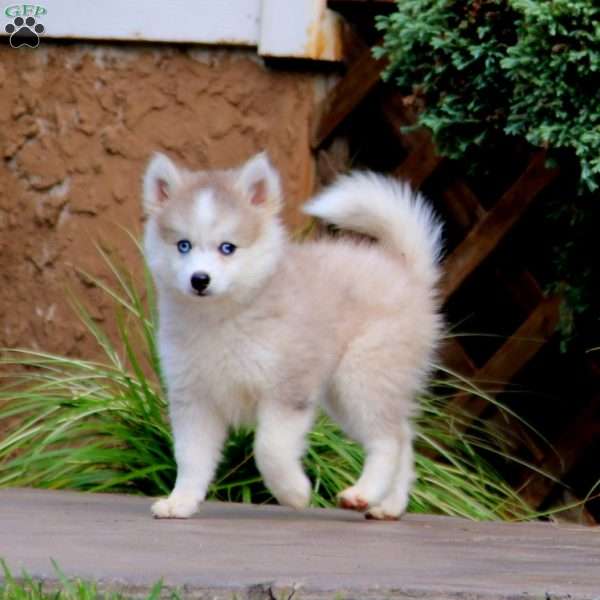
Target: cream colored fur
285,328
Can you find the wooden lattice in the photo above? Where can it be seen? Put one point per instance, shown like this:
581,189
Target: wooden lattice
483,230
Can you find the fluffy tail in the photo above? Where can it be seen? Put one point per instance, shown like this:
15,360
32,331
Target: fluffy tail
391,212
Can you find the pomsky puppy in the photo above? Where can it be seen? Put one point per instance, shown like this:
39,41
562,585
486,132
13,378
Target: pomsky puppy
256,329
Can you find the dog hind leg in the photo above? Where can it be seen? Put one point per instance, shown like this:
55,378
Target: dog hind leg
395,502
378,472
372,398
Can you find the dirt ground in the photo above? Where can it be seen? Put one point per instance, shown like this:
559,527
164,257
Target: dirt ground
77,125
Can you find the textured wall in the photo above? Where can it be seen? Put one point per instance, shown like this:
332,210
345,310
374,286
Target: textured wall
77,125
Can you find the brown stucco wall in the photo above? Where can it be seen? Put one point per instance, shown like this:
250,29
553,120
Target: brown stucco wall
78,123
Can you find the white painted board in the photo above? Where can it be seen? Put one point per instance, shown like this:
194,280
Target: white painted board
300,28
234,22
287,28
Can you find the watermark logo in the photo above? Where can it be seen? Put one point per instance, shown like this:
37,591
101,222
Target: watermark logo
25,29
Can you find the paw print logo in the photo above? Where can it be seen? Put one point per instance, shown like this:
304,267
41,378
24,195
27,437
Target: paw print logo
24,32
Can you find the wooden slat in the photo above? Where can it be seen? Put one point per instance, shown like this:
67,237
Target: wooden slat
362,76
422,158
465,210
512,356
462,204
333,161
419,164
525,292
399,111
454,357
490,230
565,454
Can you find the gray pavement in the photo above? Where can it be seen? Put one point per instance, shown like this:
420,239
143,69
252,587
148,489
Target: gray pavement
242,551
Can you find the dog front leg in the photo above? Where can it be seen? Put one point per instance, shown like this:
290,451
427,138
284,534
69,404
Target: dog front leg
279,444
199,433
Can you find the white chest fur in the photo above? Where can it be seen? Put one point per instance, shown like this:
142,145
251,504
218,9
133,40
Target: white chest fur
216,362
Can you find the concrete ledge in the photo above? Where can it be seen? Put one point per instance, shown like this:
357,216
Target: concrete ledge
260,552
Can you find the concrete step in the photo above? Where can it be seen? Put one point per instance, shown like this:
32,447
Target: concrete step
255,552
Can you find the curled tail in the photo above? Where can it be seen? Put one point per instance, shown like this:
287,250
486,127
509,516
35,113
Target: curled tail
391,212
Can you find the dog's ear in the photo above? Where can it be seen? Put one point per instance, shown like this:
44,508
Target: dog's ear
160,180
259,182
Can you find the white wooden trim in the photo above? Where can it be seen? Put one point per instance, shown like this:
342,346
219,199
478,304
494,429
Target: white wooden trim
300,28
198,21
295,28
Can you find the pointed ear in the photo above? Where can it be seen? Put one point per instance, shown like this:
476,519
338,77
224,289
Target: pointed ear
162,177
259,182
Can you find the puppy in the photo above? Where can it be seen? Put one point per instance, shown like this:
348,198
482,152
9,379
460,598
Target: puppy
256,329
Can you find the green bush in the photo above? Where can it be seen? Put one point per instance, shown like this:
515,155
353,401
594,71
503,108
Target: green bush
493,68
102,426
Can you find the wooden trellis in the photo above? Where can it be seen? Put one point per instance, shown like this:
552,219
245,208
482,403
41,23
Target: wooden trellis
483,230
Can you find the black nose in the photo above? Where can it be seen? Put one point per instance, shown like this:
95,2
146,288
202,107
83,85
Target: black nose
200,281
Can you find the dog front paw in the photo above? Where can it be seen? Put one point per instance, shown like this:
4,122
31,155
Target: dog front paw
176,506
297,498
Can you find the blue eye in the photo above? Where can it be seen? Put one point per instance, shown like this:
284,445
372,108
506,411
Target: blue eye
227,248
184,246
